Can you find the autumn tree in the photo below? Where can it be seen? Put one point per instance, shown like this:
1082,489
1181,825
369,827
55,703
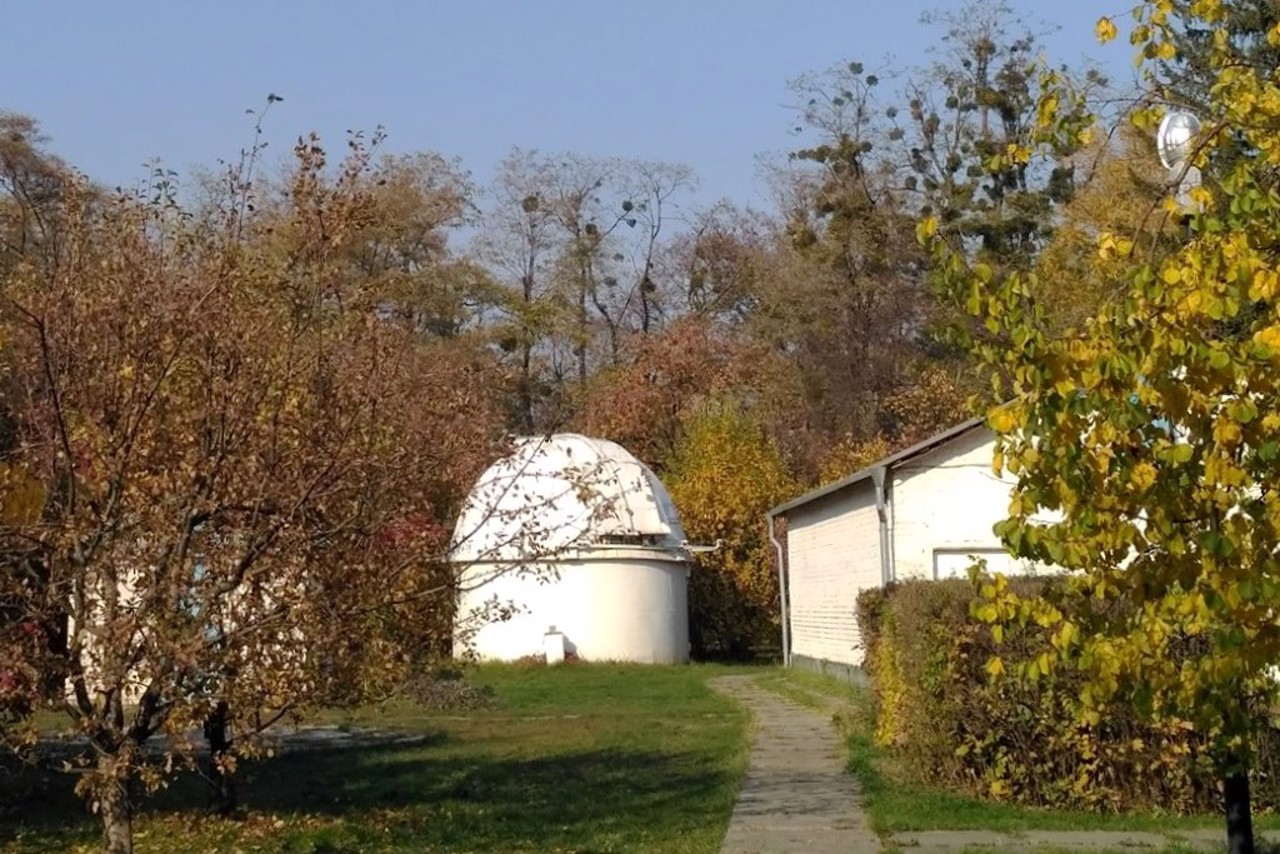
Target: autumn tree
1144,443
580,242
415,203
717,266
28,645
1186,72
977,100
881,147
644,403
1121,196
847,294
723,475
519,241
240,453
32,182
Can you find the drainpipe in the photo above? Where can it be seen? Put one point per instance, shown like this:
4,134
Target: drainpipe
782,589
882,510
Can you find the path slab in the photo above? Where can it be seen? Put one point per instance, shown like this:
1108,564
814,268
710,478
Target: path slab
797,796
956,841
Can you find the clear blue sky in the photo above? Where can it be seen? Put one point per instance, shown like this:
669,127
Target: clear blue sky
701,82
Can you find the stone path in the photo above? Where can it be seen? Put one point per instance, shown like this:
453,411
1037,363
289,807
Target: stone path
797,796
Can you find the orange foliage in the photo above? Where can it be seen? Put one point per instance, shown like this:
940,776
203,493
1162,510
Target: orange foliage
641,405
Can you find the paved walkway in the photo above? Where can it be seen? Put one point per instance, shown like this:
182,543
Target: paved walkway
797,796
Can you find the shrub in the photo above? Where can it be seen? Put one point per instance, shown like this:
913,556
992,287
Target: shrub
953,724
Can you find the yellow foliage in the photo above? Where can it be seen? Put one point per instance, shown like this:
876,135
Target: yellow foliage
1145,380
22,496
954,713
850,455
724,475
1105,30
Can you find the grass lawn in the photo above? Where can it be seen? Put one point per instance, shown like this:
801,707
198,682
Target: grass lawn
599,758
895,806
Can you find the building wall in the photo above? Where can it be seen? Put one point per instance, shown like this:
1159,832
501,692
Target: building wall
833,553
945,504
610,604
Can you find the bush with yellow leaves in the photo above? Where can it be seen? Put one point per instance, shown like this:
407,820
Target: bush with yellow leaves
947,720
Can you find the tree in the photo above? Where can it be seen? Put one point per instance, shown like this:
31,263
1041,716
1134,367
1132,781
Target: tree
1186,78
581,241
844,295
718,263
1144,444
1124,186
644,403
31,187
26,644
240,453
519,241
976,102
847,291
402,246
724,474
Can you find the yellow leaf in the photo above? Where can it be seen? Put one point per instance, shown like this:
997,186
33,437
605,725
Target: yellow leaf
1105,30
1269,337
1142,476
1004,420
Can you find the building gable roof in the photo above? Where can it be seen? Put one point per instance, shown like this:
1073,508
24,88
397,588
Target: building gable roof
888,462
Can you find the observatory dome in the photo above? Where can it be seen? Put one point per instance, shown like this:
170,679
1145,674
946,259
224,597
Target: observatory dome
570,545
560,492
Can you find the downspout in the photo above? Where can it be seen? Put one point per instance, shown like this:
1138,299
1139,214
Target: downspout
882,510
782,588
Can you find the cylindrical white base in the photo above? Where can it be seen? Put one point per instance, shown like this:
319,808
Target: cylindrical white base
609,607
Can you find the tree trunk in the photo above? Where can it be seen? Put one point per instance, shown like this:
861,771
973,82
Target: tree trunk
526,389
1239,817
223,795
115,811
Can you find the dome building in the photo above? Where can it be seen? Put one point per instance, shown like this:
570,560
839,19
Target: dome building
570,545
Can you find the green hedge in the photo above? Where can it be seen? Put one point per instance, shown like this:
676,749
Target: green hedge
952,725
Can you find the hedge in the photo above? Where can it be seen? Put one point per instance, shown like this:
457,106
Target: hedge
954,726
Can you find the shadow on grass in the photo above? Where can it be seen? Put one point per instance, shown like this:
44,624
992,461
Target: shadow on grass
420,791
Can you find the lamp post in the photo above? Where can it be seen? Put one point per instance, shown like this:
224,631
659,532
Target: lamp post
1176,144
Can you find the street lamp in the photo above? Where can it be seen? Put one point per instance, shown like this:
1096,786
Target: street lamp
1176,144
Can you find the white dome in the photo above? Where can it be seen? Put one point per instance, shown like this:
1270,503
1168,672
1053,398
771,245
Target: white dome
564,492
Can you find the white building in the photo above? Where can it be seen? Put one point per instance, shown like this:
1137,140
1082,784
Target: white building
922,513
571,545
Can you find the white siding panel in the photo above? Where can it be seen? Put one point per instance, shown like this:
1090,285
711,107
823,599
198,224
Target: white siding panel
833,553
946,502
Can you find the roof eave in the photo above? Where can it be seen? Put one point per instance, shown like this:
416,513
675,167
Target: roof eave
888,462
